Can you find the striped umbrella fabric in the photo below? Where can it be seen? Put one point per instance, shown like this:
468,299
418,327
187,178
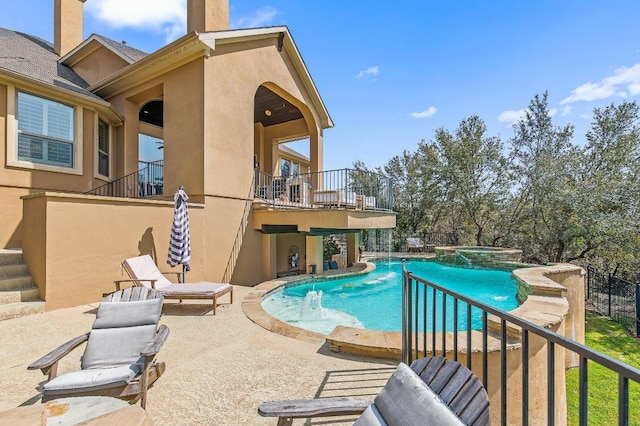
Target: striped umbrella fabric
180,241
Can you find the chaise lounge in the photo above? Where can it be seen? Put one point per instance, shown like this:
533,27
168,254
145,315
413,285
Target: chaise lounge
143,271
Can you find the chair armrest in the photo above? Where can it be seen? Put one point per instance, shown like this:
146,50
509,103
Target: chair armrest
54,356
321,407
153,347
118,282
178,275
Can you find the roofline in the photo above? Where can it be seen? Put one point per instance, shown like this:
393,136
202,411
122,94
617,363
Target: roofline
233,36
53,89
176,53
292,153
194,44
70,60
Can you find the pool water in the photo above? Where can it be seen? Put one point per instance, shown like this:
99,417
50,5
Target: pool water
374,300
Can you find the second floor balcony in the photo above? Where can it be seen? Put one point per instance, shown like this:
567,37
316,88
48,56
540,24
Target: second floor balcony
347,189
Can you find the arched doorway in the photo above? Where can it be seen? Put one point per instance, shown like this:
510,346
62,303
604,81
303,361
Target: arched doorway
151,149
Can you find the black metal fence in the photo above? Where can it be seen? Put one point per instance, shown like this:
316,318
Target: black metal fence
146,182
435,320
344,188
614,297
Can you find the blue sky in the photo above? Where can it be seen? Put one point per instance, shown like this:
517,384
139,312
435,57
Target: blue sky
392,72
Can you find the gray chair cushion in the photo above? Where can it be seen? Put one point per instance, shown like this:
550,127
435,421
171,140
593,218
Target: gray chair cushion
406,400
370,417
120,332
94,379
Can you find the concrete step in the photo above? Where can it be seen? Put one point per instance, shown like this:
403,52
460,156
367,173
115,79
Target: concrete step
11,257
22,295
20,309
16,283
8,271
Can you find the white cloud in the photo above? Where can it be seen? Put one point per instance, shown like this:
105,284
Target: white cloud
553,111
429,112
511,117
371,71
261,18
624,81
585,116
168,16
566,110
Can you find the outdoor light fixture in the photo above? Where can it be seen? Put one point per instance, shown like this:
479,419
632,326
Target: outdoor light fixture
267,112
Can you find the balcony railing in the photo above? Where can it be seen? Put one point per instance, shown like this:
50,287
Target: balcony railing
341,189
146,182
425,304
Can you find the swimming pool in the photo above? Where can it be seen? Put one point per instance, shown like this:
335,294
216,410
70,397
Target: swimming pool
373,301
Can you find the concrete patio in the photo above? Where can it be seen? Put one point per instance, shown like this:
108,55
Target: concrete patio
219,368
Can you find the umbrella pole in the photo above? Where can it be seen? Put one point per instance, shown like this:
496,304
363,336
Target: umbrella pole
184,273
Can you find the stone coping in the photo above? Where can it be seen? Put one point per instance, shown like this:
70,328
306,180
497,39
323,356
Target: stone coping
545,306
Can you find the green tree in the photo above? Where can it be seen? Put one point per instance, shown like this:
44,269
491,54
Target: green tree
475,174
610,183
544,162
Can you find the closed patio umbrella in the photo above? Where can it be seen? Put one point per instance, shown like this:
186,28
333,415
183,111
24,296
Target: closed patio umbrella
180,241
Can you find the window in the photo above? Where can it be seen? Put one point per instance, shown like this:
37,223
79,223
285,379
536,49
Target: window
285,167
296,169
103,148
45,131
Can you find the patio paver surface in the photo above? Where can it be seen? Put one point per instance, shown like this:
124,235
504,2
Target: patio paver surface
219,368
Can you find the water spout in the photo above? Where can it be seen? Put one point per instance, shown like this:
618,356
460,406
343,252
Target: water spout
464,259
312,306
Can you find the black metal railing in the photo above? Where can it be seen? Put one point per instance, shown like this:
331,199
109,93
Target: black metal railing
425,308
148,181
344,188
614,297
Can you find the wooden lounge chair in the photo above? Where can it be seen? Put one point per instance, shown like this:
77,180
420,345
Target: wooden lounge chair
433,391
119,357
143,272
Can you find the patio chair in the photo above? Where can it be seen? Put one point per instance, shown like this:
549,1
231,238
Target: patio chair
143,271
118,360
415,243
433,391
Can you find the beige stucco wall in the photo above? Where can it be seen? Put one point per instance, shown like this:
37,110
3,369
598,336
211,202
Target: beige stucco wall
75,244
98,64
16,181
283,243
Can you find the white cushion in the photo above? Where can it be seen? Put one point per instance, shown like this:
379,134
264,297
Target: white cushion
94,379
144,268
194,289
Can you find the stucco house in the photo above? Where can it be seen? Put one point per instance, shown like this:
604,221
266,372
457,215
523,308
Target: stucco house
222,101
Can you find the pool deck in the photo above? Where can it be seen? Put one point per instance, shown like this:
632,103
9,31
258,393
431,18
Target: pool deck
219,368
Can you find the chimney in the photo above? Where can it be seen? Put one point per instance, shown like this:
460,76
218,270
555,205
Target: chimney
207,15
67,25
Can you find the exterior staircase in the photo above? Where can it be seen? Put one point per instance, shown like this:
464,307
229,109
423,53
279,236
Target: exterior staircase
18,296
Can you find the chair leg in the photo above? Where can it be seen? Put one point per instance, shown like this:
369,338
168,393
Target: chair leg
285,421
215,302
144,385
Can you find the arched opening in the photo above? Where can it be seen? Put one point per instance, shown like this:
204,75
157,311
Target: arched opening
151,148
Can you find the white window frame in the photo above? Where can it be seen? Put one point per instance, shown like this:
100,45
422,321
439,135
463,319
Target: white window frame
97,173
12,135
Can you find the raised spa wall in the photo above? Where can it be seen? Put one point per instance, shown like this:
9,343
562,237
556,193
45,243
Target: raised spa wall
554,300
